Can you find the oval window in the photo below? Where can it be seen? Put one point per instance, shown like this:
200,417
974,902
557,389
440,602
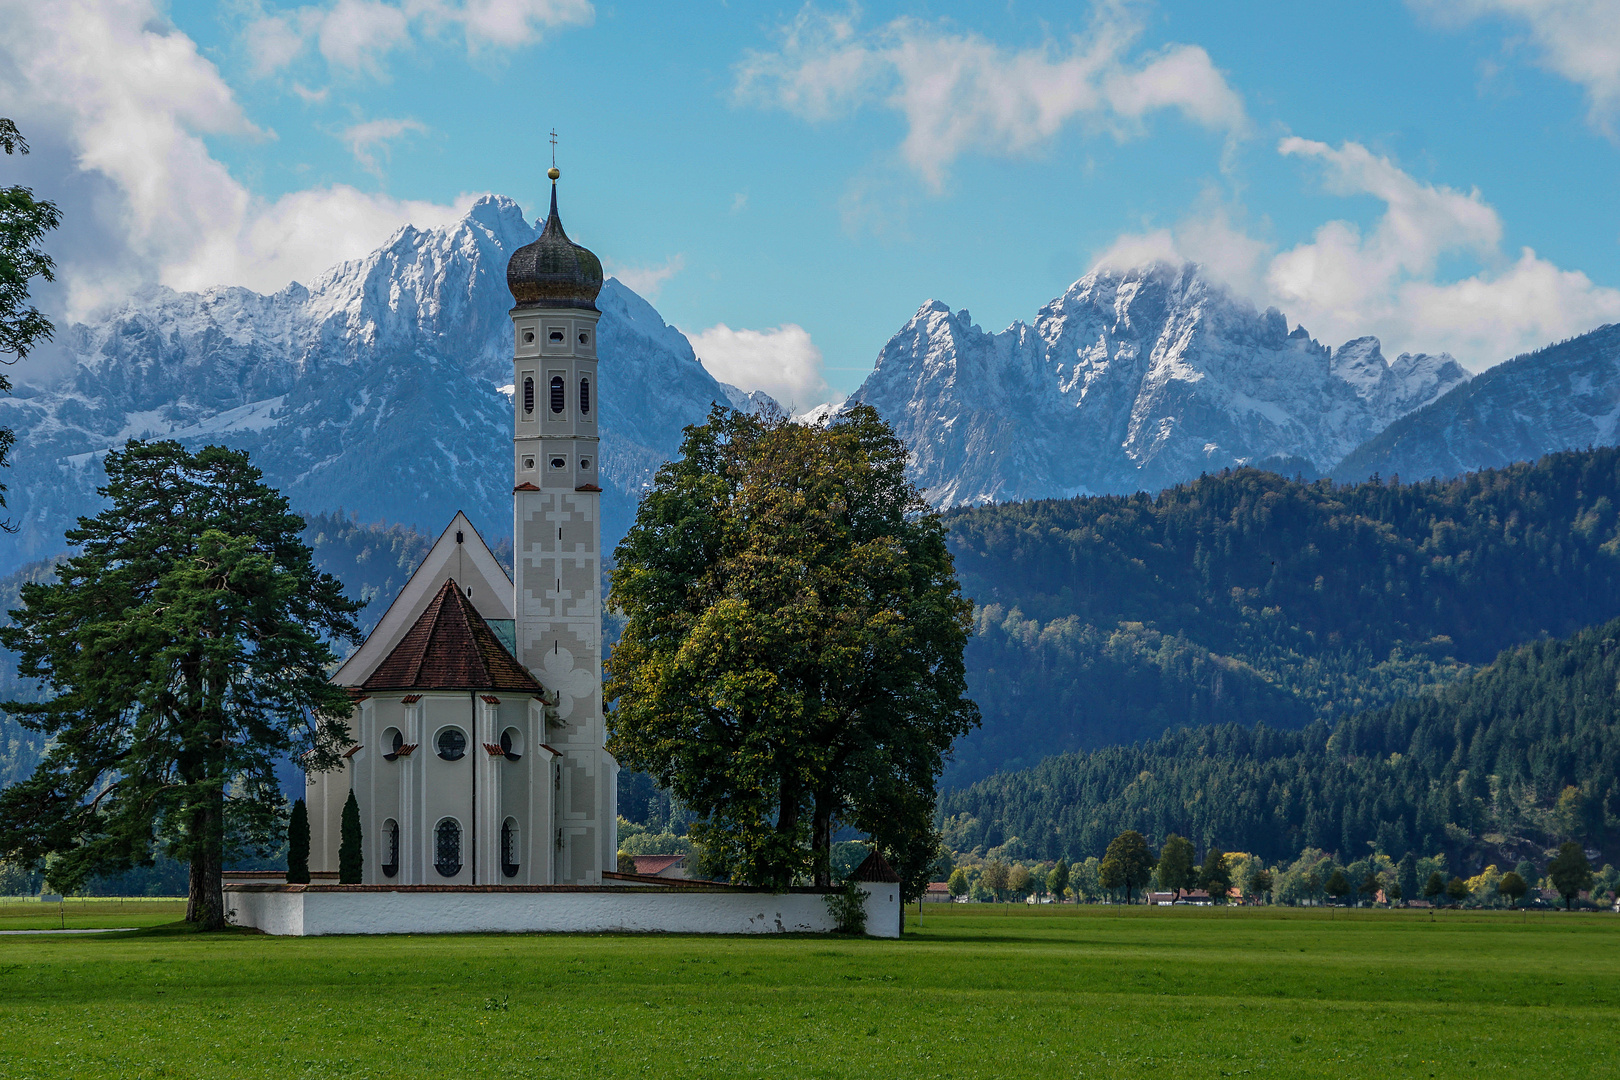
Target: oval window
393,740
584,338
585,396
556,394
447,848
528,337
452,744
528,395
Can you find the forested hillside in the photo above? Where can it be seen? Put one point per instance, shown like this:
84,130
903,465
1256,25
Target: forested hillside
1249,598
1478,770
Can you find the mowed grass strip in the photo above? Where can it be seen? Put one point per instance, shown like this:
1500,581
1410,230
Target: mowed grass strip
976,991
89,913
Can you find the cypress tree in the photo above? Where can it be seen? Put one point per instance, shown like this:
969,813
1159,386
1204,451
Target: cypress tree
350,861
298,844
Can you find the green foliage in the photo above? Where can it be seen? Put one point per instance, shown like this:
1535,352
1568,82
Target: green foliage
1456,890
1176,870
1057,880
1338,886
1435,887
1259,883
187,648
1569,871
1127,863
1440,772
1371,886
351,860
996,876
958,884
847,905
298,844
1246,598
1215,876
791,652
1512,887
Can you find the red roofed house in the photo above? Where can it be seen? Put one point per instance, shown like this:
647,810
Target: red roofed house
667,866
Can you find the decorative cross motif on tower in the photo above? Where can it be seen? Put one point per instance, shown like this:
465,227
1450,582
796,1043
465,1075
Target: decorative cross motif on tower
553,148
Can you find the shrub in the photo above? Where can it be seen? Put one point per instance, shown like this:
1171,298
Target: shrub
847,906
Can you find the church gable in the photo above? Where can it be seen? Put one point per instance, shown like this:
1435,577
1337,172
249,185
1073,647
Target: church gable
459,553
450,647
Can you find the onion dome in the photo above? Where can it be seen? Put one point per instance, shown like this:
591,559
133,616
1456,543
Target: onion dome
554,272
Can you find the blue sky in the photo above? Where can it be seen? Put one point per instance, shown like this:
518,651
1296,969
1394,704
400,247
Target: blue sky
788,184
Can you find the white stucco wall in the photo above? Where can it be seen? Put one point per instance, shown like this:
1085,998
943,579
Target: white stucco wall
314,910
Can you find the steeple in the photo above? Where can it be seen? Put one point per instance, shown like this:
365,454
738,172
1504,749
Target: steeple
554,272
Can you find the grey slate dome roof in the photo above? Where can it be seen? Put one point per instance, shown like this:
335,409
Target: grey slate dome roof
554,272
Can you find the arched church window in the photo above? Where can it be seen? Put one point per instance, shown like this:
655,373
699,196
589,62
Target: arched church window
512,744
447,847
393,739
509,847
452,744
585,396
390,848
556,394
528,395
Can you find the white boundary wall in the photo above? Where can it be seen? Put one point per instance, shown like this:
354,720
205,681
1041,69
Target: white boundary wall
312,910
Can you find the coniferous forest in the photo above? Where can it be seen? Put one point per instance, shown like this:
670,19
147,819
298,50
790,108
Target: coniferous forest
1502,765
1245,598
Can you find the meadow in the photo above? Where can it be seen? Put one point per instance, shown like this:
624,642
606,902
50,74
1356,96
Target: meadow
975,991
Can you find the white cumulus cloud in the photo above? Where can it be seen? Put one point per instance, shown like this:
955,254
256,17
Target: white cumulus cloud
647,280
781,361
118,105
961,91
358,35
1344,282
1576,39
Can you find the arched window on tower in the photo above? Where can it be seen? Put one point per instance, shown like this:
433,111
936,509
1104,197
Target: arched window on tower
528,395
585,397
556,394
390,848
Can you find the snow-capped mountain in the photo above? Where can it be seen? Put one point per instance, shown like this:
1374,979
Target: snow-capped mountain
381,388
1563,397
1131,380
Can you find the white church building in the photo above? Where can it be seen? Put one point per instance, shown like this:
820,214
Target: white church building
488,799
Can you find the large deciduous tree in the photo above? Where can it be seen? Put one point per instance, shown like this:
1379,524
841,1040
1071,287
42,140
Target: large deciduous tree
24,221
791,658
183,650
1570,872
1127,862
1177,870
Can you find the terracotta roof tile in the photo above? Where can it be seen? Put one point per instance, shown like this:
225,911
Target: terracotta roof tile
451,647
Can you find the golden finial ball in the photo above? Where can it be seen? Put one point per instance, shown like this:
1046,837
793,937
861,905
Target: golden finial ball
553,172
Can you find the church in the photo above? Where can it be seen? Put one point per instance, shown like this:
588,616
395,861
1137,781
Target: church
488,799
479,753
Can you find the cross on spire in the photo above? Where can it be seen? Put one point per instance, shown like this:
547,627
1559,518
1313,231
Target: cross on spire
553,148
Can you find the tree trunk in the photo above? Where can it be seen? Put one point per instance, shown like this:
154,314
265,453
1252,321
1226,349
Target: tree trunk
205,901
821,841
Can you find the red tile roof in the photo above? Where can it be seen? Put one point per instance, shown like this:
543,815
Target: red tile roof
451,647
655,864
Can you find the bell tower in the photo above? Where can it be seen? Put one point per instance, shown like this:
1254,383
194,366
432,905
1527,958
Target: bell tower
557,534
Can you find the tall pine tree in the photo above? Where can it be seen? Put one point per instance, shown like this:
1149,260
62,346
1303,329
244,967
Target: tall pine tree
351,864
186,647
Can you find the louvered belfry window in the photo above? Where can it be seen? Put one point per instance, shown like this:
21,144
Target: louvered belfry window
556,394
447,848
528,395
585,397
509,846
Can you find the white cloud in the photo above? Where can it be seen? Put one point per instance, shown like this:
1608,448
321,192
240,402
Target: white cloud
960,91
647,280
356,36
1344,282
126,105
1577,39
781,361
365,140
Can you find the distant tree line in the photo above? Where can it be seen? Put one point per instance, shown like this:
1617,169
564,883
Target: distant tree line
1247,598
1518,757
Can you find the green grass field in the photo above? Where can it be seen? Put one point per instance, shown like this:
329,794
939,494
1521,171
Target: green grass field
976,991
